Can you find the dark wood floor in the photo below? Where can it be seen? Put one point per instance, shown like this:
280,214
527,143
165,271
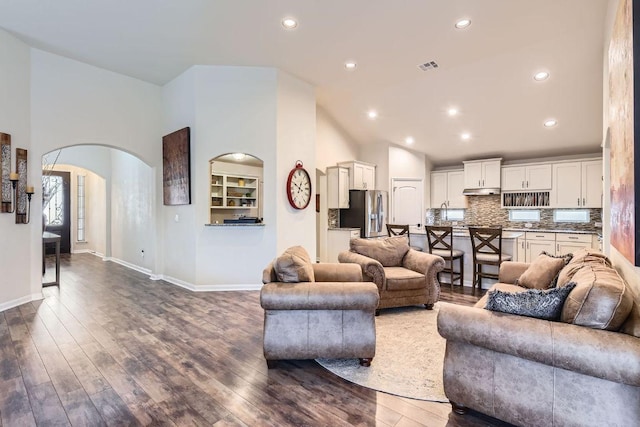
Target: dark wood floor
110,347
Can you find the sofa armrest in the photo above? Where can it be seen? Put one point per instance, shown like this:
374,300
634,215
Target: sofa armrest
510,271
423,262
603,354
371,269
334,272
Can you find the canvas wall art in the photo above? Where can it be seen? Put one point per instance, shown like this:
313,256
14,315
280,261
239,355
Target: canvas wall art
5,164
176,169
622,118
21,195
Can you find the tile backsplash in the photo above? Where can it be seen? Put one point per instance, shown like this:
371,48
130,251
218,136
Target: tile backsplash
486,210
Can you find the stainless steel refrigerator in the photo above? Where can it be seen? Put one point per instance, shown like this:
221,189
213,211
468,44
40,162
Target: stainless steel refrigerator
367,211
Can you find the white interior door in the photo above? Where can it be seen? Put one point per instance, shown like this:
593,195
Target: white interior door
407,201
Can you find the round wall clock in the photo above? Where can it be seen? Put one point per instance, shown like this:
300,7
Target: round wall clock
299,187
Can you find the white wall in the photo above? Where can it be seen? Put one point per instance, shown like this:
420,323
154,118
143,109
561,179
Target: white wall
295,140
378,154
177,239
132,211
333,144
18,240
74,103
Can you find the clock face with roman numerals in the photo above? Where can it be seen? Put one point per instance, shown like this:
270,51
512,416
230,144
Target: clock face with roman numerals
299,187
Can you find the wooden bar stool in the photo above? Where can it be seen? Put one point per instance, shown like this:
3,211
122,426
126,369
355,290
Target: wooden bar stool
441,243
486,252
401,230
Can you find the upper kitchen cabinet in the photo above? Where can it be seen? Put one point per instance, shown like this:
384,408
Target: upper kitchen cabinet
362,176
526,177
337,187
447,188
577,184
482,173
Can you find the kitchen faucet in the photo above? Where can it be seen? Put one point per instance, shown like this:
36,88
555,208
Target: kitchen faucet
445,211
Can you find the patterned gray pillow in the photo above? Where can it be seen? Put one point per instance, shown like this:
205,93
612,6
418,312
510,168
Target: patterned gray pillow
539,303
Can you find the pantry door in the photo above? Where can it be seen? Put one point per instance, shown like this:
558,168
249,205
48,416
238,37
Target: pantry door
407,201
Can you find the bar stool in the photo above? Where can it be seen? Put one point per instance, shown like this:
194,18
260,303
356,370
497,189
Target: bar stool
486,252
441,243
401,230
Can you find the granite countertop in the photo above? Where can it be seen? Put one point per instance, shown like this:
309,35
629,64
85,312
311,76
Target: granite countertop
343,229
248,224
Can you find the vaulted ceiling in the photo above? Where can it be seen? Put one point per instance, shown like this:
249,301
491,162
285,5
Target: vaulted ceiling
485,71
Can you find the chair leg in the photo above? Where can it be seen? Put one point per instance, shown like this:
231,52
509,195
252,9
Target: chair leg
462,271
365,362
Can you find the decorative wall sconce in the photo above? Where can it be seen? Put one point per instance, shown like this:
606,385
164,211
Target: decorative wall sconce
29,193
14,191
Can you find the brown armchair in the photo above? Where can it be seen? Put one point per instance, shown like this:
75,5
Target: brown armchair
404,276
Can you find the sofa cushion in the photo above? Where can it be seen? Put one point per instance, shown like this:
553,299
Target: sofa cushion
401,279
600,300
543,271
294,265
539,303
631,326
580,258
388,251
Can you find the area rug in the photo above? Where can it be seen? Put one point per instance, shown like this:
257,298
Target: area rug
409,356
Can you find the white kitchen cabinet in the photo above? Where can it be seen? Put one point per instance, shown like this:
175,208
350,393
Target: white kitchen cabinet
537,242
577,184
482,173
337,187
447,187
591,184
529,178
362,176
338,241
568,243
521,251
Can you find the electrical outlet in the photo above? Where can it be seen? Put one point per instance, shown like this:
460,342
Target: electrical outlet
142,253
597,224
176,218
454,223
528,225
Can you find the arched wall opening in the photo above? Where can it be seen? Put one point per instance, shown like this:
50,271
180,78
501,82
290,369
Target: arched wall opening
119,218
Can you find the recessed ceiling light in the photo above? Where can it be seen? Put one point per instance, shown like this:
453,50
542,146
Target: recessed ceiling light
289,23
540,76
409,140
452,112
463,23
465,136
550,123
350,65
372,114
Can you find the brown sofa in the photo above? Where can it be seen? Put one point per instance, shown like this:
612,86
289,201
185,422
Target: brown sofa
583,370
329,314
403,275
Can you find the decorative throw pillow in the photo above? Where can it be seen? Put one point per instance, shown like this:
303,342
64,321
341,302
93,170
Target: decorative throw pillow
541,304
581,257
294,265
543,271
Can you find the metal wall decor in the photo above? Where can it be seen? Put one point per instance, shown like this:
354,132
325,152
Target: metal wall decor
21,195
5,163
176,168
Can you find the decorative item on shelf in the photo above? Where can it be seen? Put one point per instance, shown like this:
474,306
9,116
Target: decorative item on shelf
248,194
240,182
231,203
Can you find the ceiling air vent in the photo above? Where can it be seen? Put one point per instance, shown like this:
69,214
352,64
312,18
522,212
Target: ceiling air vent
431,65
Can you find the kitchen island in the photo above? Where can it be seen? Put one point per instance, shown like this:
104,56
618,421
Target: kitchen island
462,241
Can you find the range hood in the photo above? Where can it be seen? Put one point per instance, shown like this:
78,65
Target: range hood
480,191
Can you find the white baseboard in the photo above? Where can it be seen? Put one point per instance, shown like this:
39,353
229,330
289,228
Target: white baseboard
209,288
128,265
16,302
